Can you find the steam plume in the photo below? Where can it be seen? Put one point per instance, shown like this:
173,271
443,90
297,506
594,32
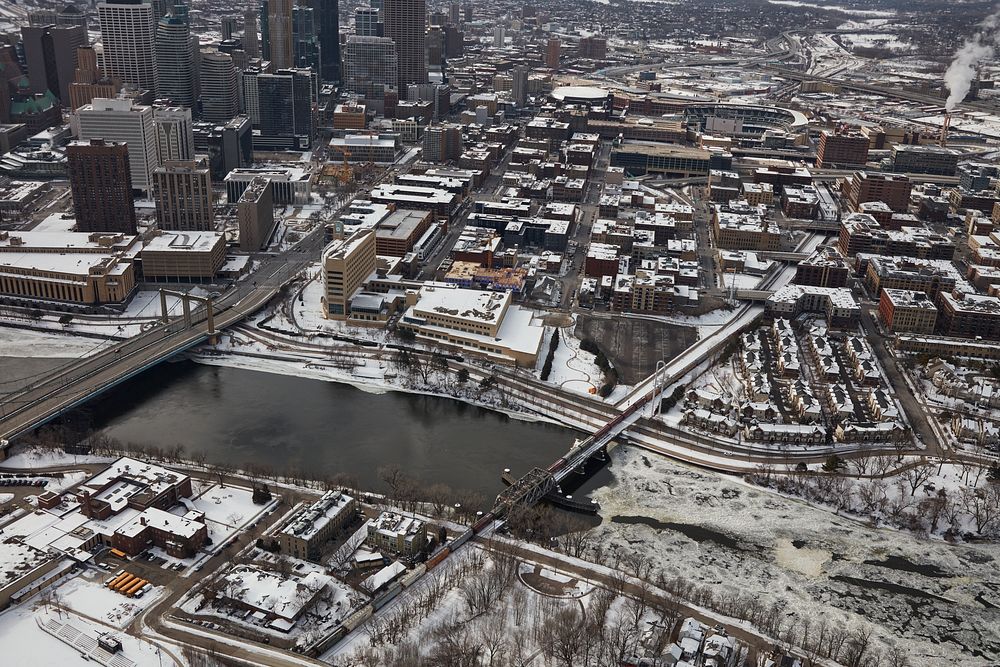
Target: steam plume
976,49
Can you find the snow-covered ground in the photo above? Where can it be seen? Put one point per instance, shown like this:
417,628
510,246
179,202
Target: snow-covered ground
16,342
87,595
43,458
25,643
141,313
730,538
572,368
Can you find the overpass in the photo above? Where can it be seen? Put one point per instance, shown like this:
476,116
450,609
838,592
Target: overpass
784,256
73,385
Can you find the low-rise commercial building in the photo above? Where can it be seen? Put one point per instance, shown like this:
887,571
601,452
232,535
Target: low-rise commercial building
486,324
76,268
909,159
442,202
399,232
183,257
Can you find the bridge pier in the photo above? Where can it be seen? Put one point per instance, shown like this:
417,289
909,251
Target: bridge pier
186,300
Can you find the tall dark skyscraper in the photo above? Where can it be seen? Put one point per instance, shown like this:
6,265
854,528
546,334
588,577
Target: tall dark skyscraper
329,39
101,181
306,39
405,22
50,52
285,99
265,35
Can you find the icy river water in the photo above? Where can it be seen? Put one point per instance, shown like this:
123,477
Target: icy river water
243,417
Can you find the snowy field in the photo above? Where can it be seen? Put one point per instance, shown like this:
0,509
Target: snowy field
140,314
935,599
27,343
25,643
87,595
572,368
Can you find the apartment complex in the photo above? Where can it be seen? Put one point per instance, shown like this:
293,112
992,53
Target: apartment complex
907,311
101,182
397,533
892,189
183,194
842,149
314,525
255,215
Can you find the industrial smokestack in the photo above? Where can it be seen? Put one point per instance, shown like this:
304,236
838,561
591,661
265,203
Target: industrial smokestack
943,141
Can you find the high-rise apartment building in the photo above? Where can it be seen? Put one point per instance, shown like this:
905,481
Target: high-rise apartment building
174,133
51,55
255,214
329,39
442,142
279,33
88,81
101,184
405,22
174,60
128,31
347,263
251,43
122,121
552,53
182,190
846,149
219,94
519,85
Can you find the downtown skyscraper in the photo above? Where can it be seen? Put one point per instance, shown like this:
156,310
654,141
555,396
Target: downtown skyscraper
174,60
279,33
405,22
128,30
329,39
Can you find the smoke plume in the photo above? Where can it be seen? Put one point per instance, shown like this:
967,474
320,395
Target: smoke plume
962,71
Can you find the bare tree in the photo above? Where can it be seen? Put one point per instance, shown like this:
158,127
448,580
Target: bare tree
565,637
917,476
